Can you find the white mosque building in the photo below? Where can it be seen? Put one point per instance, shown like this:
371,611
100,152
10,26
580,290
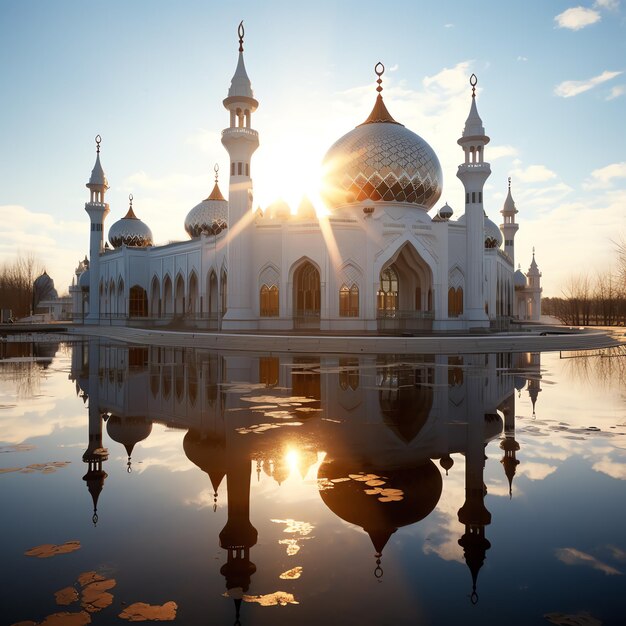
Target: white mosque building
377,262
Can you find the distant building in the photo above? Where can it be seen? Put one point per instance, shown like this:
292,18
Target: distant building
377,262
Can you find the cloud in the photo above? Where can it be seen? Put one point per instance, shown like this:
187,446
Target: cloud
610,5
536,471
571,556
533,174
497,152
616,92
614,469
604,177
577,18
521,58
448,25
570,88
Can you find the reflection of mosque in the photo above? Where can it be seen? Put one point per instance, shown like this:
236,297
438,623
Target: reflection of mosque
388,417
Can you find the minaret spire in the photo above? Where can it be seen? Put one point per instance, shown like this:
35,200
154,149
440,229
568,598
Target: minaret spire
241,141
379,112
473,173
97,209
509,227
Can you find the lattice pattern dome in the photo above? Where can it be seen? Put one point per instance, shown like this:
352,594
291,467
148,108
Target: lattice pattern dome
130,231
209,217
382,161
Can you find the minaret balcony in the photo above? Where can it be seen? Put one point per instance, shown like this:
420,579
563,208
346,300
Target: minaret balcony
239,132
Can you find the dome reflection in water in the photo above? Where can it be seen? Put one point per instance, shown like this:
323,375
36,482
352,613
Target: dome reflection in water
313,484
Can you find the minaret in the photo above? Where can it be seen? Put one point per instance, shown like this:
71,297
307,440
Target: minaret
474,514
534,287
239,535
509,445
240,140
509,226
95,454
97,209
473,174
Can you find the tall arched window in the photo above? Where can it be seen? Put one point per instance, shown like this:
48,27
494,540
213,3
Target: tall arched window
224,291
269,301
455,301
388,292
137,302
349,301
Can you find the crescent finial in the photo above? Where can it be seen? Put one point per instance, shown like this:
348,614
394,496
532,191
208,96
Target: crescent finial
241,32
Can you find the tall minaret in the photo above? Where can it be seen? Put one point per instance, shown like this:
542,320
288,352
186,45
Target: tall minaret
241,141
534,287
97,209
473,174
509,226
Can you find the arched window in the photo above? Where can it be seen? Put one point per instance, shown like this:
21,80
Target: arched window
349,301
388,292
455,301
224,291
137,302
269,301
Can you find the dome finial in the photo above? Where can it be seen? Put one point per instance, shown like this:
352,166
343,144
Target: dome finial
98,141
216,169
379,70
509,183
473,83
130,200
241,33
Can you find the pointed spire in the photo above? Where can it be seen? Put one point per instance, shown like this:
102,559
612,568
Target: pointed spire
98,178
240,85
130,214
379,112
216,194
509,204
473,125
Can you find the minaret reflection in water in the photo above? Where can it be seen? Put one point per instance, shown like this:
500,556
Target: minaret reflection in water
380,421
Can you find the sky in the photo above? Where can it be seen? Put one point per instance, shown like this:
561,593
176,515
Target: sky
149,76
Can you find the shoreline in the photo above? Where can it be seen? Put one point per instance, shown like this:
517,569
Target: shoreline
534,339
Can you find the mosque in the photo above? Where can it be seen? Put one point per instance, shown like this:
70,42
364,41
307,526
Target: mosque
376,262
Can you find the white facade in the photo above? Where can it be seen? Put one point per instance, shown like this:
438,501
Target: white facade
377,262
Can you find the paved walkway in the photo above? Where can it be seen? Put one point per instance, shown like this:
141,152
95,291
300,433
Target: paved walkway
533,339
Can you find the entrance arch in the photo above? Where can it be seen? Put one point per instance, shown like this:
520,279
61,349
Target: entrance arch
306,296
405,292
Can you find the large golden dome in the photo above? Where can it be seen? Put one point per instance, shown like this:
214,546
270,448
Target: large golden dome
381,160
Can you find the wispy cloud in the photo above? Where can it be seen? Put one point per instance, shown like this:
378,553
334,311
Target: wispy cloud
498,152
570,88
522,58
448,25
577,18
611,5
533,174
571,556
605,176
616,92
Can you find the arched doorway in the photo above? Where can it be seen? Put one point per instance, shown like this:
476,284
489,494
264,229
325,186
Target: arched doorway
307,296
212,296
193,307
405,292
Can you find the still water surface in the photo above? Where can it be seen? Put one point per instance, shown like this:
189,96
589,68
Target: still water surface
478,489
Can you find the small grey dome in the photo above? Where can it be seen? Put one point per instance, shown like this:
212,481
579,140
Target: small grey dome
519,280
130,231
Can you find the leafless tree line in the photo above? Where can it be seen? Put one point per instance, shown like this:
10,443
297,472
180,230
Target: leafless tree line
587,301
16,284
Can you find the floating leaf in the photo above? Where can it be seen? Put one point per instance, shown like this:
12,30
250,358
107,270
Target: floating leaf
374,483
291,574
373,492
66,596
48,550
142,612
281,598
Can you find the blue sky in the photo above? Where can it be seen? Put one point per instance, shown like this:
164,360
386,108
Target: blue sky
150,76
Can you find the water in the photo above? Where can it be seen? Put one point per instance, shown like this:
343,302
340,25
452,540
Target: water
477,489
